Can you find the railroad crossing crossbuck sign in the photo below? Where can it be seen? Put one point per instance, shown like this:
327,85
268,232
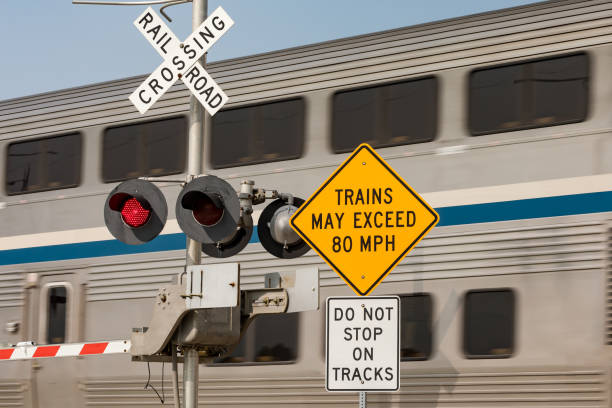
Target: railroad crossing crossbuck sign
364,219
180,60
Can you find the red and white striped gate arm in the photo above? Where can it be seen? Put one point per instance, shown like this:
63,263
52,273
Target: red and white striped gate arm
65,350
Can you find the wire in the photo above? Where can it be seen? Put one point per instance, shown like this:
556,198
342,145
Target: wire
148,384
170,4
122,3
166,3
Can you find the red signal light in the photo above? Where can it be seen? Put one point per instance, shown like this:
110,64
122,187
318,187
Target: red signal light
134,214
205,211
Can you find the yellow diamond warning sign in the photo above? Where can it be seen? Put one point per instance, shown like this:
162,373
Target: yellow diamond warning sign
364,219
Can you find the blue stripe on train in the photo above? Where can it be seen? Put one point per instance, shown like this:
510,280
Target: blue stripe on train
525,209
456,215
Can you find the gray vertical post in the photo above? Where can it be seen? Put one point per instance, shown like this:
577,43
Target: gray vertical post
190,378
175,385
194,248
363,402
196,131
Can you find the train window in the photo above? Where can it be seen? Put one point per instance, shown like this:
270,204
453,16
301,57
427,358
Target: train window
269,339
155,148
416,313
257,134
50,163
529,95
488,324
387,115
57,297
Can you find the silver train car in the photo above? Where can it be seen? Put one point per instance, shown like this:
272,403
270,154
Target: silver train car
501,121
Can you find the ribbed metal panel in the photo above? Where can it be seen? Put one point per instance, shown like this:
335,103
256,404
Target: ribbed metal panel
131,280
491,389
251,392
536,29
11,289
12,394
559,247
122,393
553,248
609,292
496,389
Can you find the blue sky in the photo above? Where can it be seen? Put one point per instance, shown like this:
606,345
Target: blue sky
49,45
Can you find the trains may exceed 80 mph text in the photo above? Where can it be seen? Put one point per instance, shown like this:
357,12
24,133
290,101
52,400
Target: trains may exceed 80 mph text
364,219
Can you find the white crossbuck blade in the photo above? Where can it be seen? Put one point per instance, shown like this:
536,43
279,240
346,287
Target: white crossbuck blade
180,60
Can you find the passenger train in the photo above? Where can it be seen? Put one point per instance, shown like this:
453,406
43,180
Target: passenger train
502,121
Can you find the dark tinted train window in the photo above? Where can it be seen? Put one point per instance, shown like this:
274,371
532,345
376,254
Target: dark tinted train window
257,134
155,148
56,314
529,95
388,115
269,339
416,312
489,323
45,164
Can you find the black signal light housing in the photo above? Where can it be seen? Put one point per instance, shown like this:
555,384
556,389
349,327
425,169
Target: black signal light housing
208,210
275,232
135,212
234,243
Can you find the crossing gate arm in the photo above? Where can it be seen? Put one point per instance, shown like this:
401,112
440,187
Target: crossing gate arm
27,352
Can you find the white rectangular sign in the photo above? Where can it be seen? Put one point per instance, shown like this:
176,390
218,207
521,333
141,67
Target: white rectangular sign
362,344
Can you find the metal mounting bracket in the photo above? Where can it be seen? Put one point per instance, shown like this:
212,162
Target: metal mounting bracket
264,301
168,311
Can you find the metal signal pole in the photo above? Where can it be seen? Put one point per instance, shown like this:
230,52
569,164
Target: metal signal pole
196,131
197,120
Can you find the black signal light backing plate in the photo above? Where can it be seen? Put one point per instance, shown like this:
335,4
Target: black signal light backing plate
150,196
235,243
222,194
265,236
